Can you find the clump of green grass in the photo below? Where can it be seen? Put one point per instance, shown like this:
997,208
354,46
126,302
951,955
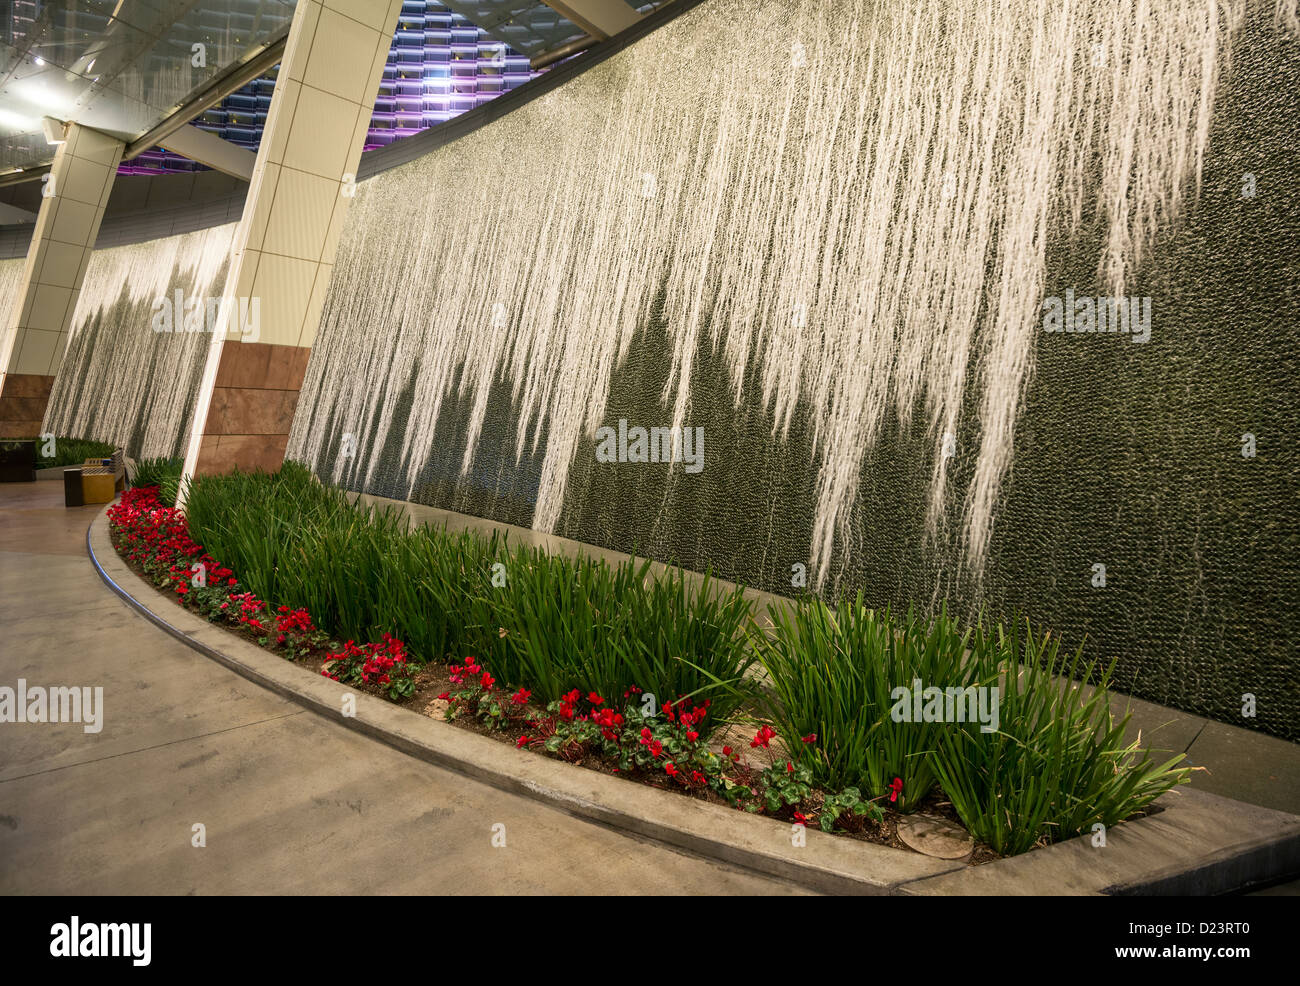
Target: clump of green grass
161,472
1052,765
547,622
834,672
359,571
1058,764
71,452
577,622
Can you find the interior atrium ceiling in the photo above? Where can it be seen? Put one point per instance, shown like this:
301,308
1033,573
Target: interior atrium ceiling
120,66
125,66
439,66
529,27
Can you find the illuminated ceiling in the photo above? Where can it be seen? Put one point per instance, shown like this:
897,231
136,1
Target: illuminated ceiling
120,66
125,66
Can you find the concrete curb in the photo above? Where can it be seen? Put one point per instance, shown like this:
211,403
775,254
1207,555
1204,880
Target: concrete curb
1199,844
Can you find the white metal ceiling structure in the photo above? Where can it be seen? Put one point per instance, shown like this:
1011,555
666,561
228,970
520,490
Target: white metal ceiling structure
139,70
119,66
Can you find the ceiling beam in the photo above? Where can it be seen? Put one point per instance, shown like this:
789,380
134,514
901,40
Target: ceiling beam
600,18
207,148
12,215
564,51
23,175
222,87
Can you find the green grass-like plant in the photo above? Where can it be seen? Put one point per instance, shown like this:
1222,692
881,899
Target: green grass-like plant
1058,764
359,571
834,671
549,622
579,622
163,473
1055,765
71,452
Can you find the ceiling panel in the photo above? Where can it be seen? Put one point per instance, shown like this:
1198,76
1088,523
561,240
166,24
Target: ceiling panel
120,66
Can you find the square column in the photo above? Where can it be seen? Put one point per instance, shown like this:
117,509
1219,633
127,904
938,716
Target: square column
75,193
298,198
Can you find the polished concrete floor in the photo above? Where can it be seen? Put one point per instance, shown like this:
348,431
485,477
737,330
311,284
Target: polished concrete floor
289,804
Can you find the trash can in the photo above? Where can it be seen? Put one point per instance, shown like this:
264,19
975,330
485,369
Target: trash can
72,487
18,461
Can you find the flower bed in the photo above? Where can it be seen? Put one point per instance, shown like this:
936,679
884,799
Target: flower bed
661,745
1055,767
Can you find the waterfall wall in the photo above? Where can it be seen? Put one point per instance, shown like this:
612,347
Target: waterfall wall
959,303
11,276
138,344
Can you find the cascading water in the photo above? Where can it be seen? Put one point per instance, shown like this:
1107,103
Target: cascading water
122,380
857,222
11,277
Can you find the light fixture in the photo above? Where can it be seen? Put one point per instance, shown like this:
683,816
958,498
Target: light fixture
54,130
39,61
16,121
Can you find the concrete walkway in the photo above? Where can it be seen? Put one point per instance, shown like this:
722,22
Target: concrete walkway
290,804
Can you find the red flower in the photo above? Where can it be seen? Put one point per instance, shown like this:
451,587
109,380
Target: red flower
726,751
522,742
800,818
692,736
444,696
670,770
789,767
763,737
895,786
810,738
595,699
